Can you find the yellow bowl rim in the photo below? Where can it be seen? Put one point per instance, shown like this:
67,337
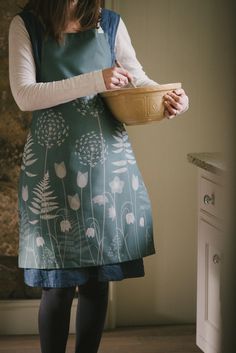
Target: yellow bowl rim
143,89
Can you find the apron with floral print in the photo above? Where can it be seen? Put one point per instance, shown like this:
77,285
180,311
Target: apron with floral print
82,200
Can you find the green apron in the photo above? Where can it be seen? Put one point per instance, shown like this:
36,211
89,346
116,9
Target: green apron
82,200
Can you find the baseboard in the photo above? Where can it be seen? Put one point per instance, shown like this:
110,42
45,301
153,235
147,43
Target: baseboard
20,317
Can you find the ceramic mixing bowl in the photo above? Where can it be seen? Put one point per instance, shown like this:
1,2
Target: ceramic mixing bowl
140,105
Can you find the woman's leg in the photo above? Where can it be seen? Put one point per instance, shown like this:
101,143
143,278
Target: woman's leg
91,315
54,318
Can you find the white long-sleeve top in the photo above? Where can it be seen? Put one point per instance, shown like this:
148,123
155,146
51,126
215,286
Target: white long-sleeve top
31,95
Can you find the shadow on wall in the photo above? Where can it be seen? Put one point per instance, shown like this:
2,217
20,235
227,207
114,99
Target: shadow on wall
14,125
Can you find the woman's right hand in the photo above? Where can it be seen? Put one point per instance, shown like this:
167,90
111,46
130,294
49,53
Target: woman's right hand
116,77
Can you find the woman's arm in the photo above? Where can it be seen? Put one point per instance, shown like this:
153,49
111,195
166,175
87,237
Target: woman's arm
176,102
125,54
30,95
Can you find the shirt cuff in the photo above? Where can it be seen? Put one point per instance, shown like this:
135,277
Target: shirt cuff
99,82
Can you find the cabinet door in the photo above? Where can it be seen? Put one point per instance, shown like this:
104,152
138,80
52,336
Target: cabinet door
208,294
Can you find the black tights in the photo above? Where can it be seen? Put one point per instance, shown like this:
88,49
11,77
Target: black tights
54,317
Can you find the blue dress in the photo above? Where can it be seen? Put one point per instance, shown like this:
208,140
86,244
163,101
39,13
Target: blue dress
72,277
122,247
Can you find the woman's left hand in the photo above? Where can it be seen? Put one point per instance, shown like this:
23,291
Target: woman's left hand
176,102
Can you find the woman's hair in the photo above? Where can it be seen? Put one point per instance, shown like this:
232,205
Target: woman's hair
56,14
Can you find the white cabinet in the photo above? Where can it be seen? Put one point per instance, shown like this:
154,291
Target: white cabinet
210,255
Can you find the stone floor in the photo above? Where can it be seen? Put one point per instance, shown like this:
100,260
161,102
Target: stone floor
139,339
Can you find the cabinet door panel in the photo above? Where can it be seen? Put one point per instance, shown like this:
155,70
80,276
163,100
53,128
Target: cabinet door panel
210,242
212,285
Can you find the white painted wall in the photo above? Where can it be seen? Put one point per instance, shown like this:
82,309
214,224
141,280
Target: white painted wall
187,41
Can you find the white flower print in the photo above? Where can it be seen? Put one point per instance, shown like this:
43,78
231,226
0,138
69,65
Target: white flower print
65,225
135,182
117,185
141,221
60,170
100,199
25,193
74,202
40,241
91,149
82,179
130,218
90,232
112,212
51,129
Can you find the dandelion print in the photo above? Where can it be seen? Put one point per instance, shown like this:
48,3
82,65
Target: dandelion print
89,106
91,149
51,129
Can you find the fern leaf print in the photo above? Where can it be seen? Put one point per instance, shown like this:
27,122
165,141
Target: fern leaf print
28,158
43,203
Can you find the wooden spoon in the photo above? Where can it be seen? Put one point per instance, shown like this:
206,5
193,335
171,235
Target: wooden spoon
118,64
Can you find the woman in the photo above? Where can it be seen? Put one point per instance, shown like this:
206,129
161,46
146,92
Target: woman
85,214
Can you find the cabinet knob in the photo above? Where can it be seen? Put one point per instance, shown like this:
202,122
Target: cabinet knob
216,259
209,199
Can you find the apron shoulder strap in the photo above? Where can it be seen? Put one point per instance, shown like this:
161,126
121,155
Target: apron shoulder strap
109,23
36,31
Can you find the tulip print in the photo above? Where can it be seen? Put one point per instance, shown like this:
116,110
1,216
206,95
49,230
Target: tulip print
40,241
25,193
135,182
60,170
74,202
65,226
141,221
116,185
130,218
82,179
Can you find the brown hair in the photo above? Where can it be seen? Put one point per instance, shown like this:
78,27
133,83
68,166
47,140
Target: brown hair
55,14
